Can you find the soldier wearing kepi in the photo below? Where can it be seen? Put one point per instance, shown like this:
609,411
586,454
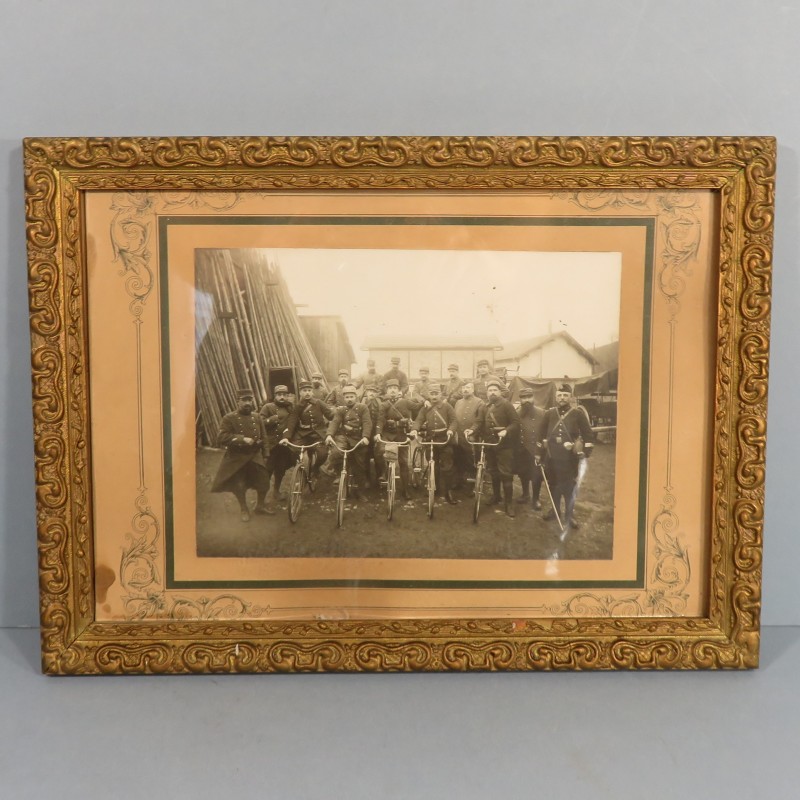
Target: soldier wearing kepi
276,416
335,397
563,438
394,423
318,390
421,387
307,424
395,373
350,424
482,379
452,389
530,417
466,410
498,422
436,421
369,377
243,467
373,404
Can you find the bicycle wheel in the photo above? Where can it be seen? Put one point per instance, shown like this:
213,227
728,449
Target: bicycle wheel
417,468
312,482
340,500
431,488
296,492
476,508
391,488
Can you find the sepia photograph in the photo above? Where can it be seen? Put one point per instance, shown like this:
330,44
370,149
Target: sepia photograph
406,403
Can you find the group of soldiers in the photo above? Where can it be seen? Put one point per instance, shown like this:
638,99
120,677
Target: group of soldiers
374,409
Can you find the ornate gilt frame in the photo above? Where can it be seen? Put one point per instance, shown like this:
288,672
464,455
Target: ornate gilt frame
58,174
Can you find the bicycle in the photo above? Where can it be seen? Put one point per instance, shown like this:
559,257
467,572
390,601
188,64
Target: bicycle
301,477
344,483
430,472
480,469
391,474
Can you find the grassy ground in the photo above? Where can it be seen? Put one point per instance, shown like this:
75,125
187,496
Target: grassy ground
410,534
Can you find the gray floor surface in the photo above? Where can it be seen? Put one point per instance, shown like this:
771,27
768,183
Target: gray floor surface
590,735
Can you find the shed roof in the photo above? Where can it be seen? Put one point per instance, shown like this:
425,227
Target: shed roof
521,347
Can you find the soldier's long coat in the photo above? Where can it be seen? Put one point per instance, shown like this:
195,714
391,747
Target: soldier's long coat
237,454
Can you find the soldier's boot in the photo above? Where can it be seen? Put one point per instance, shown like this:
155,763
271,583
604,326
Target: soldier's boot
526,496
243,509
448,492
495,498
404,486
508,494
261,507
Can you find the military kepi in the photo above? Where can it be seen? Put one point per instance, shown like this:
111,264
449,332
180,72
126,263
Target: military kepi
280,388
305,385
242,393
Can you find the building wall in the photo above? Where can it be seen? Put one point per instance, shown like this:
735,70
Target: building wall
556,359
324,337
435,360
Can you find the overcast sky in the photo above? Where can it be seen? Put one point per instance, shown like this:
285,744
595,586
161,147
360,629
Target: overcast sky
512,295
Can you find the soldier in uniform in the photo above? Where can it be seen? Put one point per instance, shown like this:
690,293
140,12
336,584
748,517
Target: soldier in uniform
498,422
564,436
335,397
466,409
436,421
370,376
373,404
350,424
318,390
530,417
421,387
397,374
452,389
394,423
307,425
276,416
482,380
243,467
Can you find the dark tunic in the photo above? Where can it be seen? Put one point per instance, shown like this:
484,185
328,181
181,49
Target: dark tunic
308,421
275,417
395,418
480,385
492,419
335,397
351,423
234,428
556,429
452,390
420,389
434,422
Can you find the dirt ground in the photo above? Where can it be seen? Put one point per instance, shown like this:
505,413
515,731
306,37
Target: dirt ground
366,533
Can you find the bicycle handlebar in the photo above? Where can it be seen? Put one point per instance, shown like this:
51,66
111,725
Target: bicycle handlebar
406,443
482,444
358,444
430,442
301,447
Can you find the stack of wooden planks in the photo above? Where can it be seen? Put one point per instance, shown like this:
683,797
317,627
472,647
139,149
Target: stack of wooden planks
246,324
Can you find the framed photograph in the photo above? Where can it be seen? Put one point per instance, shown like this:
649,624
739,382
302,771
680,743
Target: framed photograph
399,403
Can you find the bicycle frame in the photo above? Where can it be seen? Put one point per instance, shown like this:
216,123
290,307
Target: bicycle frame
301,477
343,482
391,476
432,471
480,467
